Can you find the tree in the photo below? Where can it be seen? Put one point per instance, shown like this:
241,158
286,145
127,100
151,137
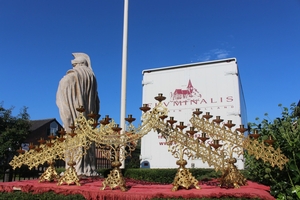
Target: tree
13,131
285,130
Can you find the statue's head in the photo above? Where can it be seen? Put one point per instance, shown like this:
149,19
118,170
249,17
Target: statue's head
81,59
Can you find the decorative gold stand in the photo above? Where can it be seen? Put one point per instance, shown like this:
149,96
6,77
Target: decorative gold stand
232,177
70,175
50,174
183,177
121,144
178,146
115,178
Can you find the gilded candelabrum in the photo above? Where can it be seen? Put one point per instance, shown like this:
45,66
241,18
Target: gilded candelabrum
68,145
45,152
178,142
71,146
216,144
76,145
225,146
230,144
116,145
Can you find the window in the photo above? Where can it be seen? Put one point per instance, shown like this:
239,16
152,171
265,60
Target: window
53,128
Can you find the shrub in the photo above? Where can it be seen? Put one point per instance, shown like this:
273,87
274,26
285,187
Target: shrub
285,184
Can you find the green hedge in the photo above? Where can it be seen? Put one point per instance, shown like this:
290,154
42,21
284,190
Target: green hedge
162,175
43,196
54,196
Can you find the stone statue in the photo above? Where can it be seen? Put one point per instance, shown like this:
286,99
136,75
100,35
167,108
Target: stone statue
79,88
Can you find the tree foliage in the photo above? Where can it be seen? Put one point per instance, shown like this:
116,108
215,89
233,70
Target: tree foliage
285,130
13,131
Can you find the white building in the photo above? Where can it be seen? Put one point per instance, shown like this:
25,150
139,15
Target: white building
213,86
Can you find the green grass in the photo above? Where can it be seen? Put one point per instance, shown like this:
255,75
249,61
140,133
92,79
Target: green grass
53,196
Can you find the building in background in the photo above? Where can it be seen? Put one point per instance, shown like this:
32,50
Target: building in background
213,86
41,129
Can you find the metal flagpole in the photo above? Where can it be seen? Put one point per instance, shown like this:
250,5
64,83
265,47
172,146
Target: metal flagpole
124,71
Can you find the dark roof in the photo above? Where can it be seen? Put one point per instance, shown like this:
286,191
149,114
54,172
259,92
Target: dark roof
35,124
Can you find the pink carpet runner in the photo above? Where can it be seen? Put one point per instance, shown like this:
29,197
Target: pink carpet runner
90,189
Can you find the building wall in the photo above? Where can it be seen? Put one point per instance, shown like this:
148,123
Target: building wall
213,87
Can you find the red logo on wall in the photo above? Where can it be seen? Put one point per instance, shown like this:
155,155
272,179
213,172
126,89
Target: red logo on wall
188,93
190,96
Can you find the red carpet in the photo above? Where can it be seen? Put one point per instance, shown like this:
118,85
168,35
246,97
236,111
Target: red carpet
90,189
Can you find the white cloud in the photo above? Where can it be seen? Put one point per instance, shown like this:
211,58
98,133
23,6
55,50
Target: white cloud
214,54
220,53
205,58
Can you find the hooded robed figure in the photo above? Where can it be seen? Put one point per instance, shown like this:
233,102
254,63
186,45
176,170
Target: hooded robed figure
79,88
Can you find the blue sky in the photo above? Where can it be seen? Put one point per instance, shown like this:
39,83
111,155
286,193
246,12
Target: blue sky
38,37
